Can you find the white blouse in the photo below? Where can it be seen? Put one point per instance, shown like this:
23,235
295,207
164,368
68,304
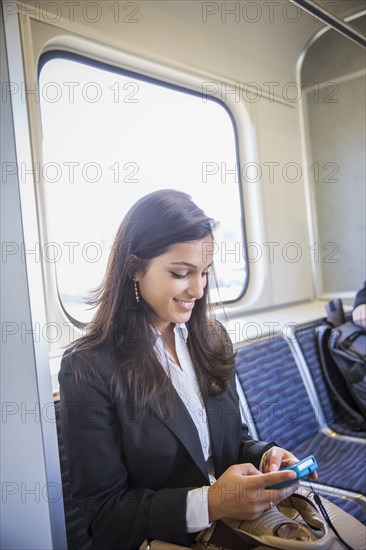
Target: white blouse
185,383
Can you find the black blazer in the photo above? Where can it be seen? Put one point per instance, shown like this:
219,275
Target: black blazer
130,476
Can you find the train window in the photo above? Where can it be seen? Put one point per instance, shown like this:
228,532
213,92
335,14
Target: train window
109,137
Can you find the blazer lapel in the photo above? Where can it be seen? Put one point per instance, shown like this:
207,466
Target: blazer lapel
181,424
216,410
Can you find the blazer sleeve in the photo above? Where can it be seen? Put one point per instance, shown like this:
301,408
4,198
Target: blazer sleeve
252,450
116,516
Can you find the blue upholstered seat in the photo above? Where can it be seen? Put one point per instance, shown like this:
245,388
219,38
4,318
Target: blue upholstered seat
281,411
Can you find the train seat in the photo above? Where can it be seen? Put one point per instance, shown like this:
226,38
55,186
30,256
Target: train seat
77,537
280,410
303,340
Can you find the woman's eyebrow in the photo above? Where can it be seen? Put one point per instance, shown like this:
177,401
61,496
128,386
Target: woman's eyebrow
187,264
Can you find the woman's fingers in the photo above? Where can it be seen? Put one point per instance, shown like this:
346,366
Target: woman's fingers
245,469
243,492
259,488
272,478
277,458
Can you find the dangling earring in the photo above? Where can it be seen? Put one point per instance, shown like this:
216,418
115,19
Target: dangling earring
136,291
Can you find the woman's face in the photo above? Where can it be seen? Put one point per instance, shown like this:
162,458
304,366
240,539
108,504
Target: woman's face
174,280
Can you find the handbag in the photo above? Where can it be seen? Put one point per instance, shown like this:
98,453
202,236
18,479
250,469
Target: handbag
296,523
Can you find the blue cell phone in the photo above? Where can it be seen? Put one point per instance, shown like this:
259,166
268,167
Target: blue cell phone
303,468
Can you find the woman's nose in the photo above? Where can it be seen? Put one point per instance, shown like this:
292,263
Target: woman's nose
197,287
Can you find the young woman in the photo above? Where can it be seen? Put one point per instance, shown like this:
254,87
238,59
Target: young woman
155,444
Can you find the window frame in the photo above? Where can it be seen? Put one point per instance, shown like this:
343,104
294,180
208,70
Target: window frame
155,80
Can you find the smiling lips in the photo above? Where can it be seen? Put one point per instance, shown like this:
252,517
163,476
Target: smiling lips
186,305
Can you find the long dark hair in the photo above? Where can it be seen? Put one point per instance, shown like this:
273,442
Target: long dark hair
124,327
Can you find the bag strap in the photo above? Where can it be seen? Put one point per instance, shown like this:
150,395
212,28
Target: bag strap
329,522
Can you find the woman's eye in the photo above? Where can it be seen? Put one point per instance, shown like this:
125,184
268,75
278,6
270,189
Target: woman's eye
178,275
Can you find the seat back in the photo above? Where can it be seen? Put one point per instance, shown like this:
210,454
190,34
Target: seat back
306,338
276,396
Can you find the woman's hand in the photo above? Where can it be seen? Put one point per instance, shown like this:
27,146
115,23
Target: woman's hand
359,316
240,492
277,458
